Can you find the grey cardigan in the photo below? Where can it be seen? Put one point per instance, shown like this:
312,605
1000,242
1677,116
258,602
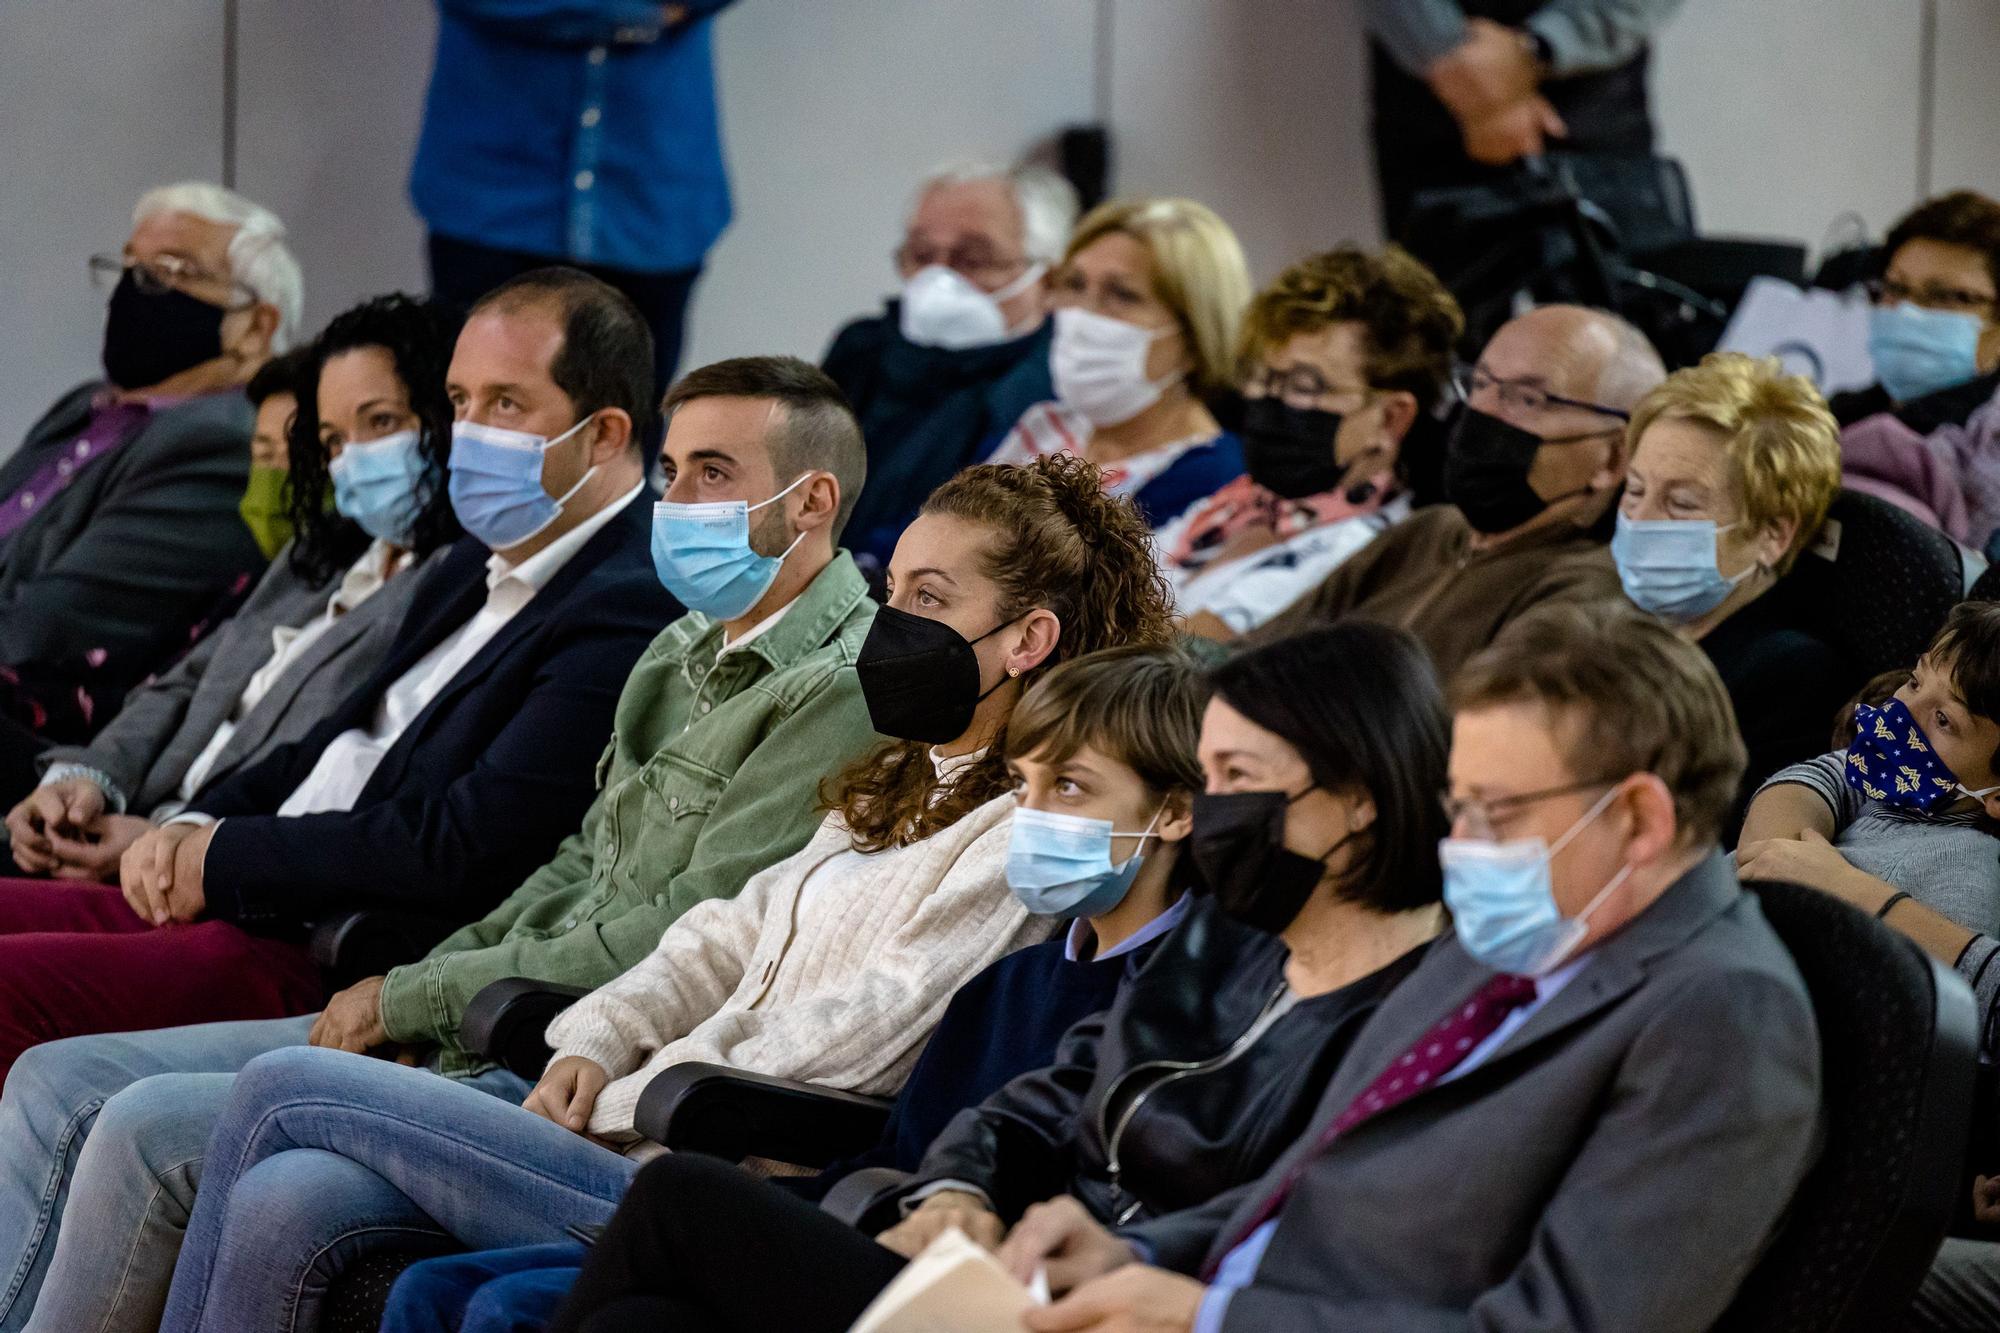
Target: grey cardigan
165,725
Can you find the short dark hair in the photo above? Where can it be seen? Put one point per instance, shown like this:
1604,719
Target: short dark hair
1963,217
606,357
1969,648
817,431
283,373
1628,694
1138,703
1361,704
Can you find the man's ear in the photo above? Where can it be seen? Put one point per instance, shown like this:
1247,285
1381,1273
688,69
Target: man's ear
818,502
252,340
1399,413
614,435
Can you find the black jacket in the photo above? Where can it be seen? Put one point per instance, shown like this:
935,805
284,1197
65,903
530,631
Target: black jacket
480,787
1949,406
1160,1103
925,413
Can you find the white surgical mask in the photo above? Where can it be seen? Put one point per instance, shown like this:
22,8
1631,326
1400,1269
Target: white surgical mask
1099,366
941,307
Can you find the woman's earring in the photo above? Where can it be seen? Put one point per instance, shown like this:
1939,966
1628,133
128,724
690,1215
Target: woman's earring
1013,671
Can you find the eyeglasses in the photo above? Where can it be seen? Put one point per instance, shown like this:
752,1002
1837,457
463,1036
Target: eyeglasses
1303,385
980,265
1957,300
167,273
1479,816
1521,395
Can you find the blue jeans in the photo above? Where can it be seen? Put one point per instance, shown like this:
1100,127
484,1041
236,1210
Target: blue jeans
320,1156
98,1169
492,1291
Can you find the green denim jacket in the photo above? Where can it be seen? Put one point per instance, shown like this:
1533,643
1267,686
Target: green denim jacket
712,773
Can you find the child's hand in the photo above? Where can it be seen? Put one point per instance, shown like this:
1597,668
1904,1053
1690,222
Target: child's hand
1811,860
567,1092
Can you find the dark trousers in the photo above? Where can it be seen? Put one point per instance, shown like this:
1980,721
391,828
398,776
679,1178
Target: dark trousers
700,1246
462,272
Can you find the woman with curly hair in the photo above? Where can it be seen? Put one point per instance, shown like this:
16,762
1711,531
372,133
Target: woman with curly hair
831,966
321,619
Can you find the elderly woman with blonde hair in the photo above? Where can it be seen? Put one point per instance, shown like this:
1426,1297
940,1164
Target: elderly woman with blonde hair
1734,465
1149,301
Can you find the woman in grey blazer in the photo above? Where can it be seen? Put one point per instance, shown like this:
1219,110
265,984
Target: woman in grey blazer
319,621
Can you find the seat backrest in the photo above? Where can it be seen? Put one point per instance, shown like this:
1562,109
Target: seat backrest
1898,1050
1878,583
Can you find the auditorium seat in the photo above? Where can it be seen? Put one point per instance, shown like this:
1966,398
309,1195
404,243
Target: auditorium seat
1878,583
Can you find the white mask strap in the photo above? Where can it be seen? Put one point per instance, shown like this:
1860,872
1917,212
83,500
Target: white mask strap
780,495
1020,284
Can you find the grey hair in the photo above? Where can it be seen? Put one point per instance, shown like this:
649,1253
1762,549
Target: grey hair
1047,202
258,255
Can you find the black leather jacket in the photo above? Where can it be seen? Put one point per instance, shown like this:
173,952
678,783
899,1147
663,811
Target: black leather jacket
1196,1079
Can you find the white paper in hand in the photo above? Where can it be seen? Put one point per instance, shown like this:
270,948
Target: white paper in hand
952,1287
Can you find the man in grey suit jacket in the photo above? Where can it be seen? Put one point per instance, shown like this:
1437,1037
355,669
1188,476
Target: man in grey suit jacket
1586,1109
118,522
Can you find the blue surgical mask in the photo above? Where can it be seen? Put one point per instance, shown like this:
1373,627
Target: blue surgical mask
377,485
1060,865
1918,351
1668,566
496,482
1503,905
703,555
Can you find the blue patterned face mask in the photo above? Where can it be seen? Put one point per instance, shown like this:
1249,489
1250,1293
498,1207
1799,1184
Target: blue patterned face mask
1891,760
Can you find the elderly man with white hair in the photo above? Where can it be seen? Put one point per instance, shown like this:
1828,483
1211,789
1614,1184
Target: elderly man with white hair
119,530
963,349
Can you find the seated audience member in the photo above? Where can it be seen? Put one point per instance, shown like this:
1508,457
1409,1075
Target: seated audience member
320,621
1210,1062
1533,466
1611,1055
453,768
1349,353
1148,299
832,966
1733,466
1905,823
725,730
1949,478
963,350
1934,334
118,527
266,504
1105,745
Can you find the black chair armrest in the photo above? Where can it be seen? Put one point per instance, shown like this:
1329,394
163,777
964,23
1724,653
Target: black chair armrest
506,1020
729,1113
354,945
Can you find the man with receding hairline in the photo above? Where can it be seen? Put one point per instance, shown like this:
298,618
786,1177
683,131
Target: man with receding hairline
1533,467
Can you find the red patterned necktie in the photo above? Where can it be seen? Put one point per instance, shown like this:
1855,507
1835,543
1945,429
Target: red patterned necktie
1434,1055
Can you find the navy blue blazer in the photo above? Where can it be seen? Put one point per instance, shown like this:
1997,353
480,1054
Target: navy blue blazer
484,782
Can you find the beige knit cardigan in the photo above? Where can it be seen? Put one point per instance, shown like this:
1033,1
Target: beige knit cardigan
835,979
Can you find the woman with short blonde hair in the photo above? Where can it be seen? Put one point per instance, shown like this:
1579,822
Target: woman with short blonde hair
1149,301
1734,465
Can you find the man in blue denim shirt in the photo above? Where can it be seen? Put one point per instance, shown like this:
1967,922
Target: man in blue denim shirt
574,131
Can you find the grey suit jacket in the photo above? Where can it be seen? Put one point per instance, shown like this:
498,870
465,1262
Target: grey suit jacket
133,551
1618,1164
165,725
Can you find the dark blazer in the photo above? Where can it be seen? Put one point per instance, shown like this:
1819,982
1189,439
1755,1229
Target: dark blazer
926,412
165,725
132,552
484,782
1159,1103
1618,1163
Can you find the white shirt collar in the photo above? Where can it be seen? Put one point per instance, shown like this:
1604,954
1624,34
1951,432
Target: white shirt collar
539,568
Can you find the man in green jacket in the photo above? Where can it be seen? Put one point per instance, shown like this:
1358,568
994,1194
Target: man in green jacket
723,734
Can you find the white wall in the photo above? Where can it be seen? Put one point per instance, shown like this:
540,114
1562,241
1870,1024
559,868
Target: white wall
1788,113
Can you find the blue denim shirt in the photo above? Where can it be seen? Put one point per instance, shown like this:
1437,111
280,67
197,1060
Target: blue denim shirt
575,129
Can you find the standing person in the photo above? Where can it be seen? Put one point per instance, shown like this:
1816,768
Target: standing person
582,133
118,513
1463,87
1149,300
963,349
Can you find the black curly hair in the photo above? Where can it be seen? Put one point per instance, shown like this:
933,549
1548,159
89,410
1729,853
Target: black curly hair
419,335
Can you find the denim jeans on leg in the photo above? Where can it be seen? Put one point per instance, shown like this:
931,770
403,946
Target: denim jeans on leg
319,1150
489,1291
51,1106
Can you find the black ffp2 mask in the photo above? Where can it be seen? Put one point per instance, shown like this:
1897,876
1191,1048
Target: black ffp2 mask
153,336
1238,844
920,677
1289,450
